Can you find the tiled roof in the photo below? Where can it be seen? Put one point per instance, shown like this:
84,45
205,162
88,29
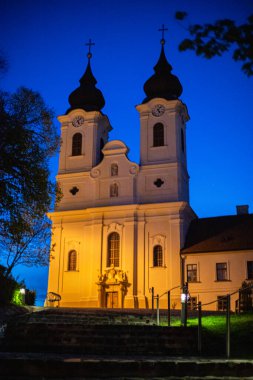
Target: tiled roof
223,233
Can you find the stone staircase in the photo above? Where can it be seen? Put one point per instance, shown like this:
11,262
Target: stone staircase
105,344
96,332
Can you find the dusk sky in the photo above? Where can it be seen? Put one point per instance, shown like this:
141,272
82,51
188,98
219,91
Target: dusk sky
44,43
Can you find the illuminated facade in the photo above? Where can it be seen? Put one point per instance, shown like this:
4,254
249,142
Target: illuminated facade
120,227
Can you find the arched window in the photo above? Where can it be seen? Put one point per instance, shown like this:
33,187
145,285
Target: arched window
182,140
114,190
72,260
158,134
113,249
77,144
114,170
157,256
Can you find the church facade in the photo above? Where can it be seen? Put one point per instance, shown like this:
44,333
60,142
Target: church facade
123,228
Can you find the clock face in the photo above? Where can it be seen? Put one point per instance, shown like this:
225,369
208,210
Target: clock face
158,110
78,121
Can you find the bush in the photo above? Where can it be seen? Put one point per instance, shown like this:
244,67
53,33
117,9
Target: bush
10,291
30,296
8,286
17,298
246,296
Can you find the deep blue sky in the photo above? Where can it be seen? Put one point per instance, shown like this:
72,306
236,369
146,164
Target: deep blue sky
44,42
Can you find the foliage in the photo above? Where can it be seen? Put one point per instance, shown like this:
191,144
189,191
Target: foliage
8,285
246,296
209,40
30,297
214,333
10,291
29,247
17,298
27,140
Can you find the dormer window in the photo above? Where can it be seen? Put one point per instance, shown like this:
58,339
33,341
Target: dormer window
158,135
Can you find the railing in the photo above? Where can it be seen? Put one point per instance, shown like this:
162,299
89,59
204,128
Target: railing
53,297
199,307
228,326
157,297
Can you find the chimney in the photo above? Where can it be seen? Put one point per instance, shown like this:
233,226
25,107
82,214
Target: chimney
242,209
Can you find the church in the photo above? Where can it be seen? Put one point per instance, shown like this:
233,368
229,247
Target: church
123,230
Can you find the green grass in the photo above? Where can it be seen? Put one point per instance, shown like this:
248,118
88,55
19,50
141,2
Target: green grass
214,334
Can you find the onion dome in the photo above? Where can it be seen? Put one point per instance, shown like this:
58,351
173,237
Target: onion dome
87,96
162,84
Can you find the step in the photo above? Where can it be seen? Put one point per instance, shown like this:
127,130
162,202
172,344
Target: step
55,366
82,316
99,339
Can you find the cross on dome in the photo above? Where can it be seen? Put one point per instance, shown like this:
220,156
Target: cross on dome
162,84
90,43
87,96
163,29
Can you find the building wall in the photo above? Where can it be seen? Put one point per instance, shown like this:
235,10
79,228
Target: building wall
140,228
207,288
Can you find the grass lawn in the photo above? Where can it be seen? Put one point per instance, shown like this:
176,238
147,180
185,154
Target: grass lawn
214,334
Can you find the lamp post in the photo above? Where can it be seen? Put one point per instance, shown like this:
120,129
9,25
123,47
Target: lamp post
184,299
152,291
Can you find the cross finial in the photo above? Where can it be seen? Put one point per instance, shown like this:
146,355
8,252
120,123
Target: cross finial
163,29
89,55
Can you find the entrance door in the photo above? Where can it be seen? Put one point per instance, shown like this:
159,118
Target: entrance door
112,300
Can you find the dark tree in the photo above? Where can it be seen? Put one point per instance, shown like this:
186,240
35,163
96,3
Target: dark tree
209,40
3,63
28,139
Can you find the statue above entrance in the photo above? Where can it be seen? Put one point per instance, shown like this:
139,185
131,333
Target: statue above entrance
112,275
112,288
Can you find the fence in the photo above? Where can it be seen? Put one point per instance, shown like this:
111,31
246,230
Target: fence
157,298
228,312
184,298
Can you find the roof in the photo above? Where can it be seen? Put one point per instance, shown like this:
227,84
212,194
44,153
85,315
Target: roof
222,233
87,96
162,84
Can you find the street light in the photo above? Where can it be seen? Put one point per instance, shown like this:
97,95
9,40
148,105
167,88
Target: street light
184,300
152,291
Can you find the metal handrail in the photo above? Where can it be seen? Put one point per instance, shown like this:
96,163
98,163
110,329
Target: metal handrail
157,297
224,297
53,297
228,332
170,290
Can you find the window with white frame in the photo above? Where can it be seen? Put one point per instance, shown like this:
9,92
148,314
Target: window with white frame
72,260
158,134
192,303
221,303
221,272
158,256
77,144
191,272
113,249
